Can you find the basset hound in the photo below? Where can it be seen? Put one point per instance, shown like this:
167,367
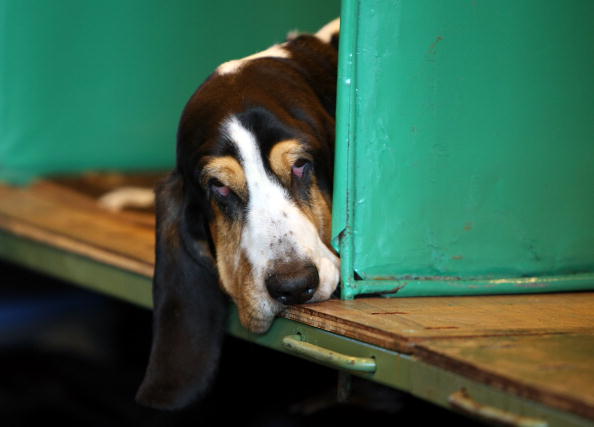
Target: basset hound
246,213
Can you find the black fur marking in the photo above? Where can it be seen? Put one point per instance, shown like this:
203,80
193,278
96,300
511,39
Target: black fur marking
189,308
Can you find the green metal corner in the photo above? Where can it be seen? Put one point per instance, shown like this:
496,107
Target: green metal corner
345,160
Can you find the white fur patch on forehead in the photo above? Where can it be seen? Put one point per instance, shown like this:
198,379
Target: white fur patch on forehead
275,226
276,51
249,151
329,30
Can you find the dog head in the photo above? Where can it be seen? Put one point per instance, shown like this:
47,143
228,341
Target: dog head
247,210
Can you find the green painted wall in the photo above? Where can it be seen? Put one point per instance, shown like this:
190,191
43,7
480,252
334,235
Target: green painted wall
101,84
471,125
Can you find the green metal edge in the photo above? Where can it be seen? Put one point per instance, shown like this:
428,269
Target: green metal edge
345,131
444,287
78,269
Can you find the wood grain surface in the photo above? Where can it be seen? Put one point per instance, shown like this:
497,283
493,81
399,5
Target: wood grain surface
400,323
56,216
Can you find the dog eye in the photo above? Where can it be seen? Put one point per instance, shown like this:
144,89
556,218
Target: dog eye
300,167
219,188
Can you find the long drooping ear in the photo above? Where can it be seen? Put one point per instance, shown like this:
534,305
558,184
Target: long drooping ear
189,308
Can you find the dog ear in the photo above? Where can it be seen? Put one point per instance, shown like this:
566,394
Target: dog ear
190,309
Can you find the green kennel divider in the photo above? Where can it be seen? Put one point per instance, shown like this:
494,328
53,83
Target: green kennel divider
101,84
465,147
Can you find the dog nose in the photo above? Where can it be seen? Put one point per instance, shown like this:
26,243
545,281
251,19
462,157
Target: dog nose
293,283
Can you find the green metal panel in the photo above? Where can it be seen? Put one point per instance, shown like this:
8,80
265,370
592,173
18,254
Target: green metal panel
101,84
466,146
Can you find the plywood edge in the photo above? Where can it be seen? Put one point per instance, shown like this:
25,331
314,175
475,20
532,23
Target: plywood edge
69,244
340,326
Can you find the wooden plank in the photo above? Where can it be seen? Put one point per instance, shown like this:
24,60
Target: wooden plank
46,213
400,323
95,184
79,195
557,370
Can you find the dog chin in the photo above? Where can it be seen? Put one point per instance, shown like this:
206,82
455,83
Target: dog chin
257,320
257,310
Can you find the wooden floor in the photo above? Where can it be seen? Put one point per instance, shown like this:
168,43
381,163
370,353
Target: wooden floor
536,346
65,216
